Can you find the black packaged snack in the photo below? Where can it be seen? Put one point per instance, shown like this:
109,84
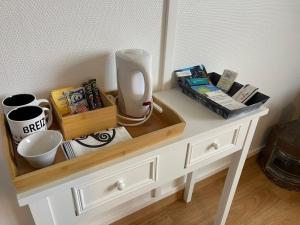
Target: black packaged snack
97,98
89,95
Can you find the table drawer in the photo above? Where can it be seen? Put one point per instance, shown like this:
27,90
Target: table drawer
99,191
203,147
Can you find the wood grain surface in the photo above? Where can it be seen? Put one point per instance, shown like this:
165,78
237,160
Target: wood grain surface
85,123
257,202
158,128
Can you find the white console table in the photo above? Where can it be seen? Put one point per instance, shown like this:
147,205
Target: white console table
85,197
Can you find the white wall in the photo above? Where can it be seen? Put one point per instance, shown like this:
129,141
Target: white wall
48,44
52,43
258,39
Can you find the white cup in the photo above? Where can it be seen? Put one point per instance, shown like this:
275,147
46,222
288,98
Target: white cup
26,120
14,101
40,148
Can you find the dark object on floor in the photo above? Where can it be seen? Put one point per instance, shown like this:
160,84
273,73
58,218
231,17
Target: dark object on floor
280,159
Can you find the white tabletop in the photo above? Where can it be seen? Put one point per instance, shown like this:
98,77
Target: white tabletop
199,118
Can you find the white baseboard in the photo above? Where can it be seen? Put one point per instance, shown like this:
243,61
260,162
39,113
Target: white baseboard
255,151
167,190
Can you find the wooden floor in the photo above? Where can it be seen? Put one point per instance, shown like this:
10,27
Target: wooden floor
256,202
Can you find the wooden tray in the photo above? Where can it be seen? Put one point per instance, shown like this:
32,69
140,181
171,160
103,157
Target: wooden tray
159,127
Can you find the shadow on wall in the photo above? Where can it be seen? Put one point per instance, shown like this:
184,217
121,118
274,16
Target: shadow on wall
99,66
291,110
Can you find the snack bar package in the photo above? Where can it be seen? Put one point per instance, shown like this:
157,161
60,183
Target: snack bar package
77,100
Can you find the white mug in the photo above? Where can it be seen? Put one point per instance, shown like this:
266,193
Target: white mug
40,148
26,120
14,101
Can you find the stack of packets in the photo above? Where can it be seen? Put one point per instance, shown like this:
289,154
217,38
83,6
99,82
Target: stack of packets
73,100
94,142
197,78
224,100
92,94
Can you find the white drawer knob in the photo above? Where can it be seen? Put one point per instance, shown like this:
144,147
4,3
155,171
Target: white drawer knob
216,145
120,185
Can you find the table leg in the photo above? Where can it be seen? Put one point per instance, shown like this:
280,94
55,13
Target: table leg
156,193
41,212
233,176
189,187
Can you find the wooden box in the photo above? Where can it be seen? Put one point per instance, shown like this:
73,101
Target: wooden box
160,127
89,122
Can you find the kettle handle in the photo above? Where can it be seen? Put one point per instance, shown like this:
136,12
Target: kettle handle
147,98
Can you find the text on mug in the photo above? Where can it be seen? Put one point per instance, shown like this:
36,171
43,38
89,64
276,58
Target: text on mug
34,126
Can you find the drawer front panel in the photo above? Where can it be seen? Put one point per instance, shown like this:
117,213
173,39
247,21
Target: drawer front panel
208,146
105,189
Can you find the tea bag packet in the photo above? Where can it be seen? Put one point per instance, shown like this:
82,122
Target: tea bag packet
193,76
77,100
89,95
96,93
224,100
61,100
198,71
245,93
92,94
227,80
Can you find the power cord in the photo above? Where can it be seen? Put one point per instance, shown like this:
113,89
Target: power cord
138,121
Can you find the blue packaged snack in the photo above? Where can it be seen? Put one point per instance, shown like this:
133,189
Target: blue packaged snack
198,71
203,89
197,81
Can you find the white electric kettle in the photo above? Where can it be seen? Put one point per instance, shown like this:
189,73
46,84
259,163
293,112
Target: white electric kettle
134,82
